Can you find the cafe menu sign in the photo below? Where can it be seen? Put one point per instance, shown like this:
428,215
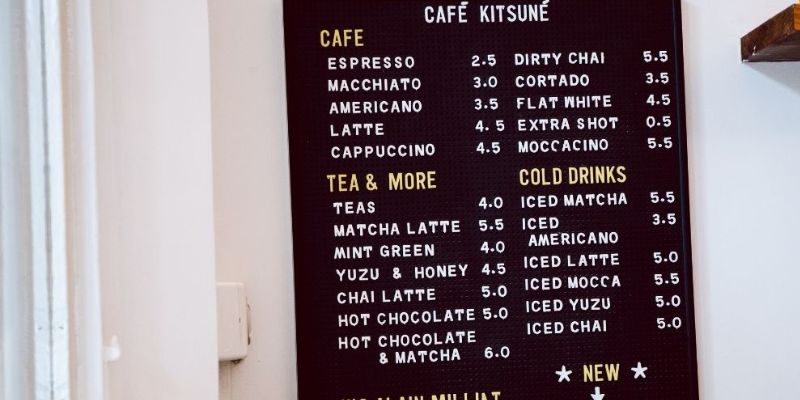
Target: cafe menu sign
489,200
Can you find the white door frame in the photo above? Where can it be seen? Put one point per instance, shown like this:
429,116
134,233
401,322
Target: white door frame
48,268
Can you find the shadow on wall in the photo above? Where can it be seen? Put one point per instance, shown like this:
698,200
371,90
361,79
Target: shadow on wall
784,73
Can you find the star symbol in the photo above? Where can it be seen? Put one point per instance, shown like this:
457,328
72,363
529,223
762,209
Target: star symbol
638,371
563,374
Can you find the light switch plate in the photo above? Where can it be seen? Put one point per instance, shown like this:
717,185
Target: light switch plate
232,321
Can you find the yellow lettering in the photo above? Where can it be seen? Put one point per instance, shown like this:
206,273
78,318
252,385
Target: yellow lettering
341,38
540,177
600,372
342,183
412,180
612,371
598,174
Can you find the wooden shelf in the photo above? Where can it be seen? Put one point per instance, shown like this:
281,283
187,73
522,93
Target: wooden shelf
778,39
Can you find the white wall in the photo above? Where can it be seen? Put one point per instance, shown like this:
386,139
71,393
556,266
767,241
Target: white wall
155,198
743,160
251,189
745,167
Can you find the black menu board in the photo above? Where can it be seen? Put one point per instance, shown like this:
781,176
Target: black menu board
490,200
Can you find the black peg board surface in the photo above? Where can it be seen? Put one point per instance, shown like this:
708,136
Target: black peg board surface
490,200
